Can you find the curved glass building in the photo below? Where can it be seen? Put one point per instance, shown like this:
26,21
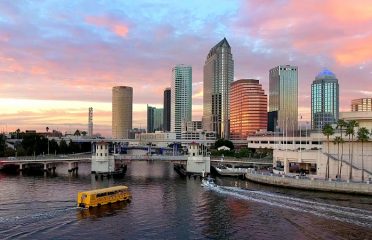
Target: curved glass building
324,100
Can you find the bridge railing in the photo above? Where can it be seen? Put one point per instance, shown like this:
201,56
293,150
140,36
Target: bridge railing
47,157
151,157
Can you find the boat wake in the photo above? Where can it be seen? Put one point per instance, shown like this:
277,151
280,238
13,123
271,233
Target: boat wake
356,216
35,216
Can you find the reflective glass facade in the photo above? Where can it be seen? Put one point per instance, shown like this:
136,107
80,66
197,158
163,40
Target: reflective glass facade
218,75
180,97
324,100
154,119
283,98
167,110
248,108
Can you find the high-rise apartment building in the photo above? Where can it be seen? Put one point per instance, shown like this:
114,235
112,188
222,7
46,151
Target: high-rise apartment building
283,99
361,105
218,75
324,100
154,119
167,110
248,108
181,91
122,107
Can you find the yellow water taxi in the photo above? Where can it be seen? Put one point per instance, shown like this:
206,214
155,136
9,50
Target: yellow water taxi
98,197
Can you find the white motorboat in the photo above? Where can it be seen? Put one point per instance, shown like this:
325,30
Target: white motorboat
228,171
208,182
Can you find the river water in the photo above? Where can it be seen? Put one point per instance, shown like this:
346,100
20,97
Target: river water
166,206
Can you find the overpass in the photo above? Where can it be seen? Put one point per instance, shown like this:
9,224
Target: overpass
49,162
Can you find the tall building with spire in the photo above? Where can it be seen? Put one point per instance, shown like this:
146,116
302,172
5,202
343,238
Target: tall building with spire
283,99
324,100
218,75
181,91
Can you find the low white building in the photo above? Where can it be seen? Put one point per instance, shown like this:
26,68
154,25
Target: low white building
158,138
310,155
199,135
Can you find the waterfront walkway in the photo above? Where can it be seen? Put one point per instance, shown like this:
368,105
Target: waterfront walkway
311,184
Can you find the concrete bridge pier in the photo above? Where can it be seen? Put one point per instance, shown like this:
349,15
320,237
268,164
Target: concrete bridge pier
20,169
73,167
51,168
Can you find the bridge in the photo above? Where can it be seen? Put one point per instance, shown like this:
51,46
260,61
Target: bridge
50,162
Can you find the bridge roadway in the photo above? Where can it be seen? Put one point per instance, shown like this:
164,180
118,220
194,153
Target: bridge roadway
50,161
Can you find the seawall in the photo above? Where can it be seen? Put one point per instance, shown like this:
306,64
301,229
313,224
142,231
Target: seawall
309,184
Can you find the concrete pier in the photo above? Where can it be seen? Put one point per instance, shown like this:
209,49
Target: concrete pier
312,184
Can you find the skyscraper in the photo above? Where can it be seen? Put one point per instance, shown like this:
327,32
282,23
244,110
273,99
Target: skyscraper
167,110
154,119
150,119
122,101
180,97
283,99
218,75
324,100
248,108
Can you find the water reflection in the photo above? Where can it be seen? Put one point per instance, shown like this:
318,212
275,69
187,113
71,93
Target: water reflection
102,211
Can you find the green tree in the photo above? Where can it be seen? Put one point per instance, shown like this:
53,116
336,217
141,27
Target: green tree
53,145
77,132
63,147
2,145
328,131
223,142
341,124
84,133
363,136
350,131
243,153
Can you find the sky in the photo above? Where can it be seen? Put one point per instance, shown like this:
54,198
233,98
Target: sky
60,57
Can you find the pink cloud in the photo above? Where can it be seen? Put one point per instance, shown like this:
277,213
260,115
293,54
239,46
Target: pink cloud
119,28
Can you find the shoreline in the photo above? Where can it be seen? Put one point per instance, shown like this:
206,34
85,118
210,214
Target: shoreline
311,184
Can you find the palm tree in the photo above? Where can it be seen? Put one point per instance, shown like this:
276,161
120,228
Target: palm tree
341,124
350,131
328,131
337,141
363,136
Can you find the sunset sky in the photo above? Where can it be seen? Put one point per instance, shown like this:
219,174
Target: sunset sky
60,57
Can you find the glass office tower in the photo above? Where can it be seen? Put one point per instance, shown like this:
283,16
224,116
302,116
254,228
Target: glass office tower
283,99
218,75
324,100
